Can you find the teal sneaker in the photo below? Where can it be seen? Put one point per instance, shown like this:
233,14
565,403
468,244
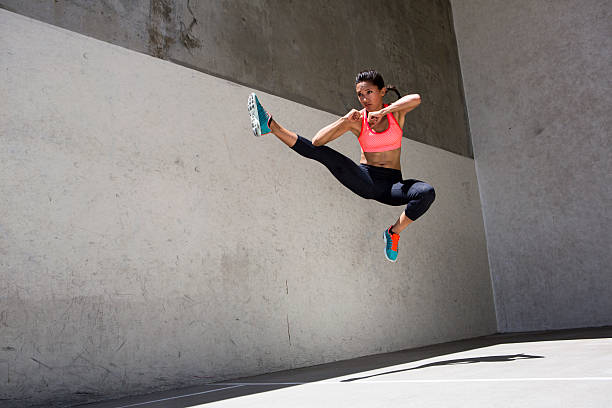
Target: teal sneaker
391,242
260,119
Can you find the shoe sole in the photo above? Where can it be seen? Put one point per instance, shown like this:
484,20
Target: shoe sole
252,107
385,248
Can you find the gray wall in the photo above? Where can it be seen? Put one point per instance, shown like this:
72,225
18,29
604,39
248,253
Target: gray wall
149,241
537,80
305,51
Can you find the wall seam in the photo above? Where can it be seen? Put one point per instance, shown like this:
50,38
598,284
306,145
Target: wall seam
496,309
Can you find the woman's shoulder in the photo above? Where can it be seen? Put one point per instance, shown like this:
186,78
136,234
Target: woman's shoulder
399,118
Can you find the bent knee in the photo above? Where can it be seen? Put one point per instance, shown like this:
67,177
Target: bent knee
428,193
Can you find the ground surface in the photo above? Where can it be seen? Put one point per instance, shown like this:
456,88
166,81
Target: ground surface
558,369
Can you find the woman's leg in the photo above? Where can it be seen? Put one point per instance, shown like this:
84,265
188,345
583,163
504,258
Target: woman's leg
402,222
286,136
418,197
342,168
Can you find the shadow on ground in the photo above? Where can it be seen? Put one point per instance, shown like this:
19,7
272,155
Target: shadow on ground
489,359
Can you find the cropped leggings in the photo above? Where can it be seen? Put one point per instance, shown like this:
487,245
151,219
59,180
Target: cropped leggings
371,182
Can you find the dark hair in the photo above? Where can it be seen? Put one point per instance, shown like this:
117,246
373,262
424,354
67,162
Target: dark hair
373,76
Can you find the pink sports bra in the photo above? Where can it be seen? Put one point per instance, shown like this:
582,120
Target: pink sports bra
372,141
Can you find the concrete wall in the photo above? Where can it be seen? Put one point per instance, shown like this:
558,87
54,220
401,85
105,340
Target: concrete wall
537,80
305,51
149,241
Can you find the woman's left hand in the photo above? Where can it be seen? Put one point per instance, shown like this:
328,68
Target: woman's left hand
374,117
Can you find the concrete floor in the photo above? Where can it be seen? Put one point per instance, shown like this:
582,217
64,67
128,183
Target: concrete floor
571,368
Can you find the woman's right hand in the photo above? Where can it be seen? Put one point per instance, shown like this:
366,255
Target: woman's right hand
353,116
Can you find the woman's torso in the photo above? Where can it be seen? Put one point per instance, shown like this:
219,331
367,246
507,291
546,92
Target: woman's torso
388,159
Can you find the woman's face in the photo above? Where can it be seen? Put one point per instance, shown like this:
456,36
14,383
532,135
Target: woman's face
370,96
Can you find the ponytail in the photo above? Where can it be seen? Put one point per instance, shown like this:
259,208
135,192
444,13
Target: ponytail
394,89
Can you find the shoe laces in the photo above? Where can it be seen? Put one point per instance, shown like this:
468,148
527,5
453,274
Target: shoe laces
394,241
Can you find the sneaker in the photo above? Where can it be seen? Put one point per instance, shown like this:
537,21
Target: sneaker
260,119
391,241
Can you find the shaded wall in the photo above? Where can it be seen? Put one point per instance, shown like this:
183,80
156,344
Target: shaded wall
305,51
537,80
149,241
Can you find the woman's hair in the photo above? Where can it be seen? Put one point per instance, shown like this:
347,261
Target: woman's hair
374,77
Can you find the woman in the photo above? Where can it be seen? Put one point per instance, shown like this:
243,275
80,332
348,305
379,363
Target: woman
378,128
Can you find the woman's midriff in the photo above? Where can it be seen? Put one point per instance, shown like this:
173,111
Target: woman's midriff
389,159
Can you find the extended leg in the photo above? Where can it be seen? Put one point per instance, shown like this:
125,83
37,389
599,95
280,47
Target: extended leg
344,169
262,123
286,136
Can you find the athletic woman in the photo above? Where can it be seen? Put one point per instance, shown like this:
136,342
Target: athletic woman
378,128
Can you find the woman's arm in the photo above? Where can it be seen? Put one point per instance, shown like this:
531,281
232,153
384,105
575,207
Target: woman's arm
338,128
403,105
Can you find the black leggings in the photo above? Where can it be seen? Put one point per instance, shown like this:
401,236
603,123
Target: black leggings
372,182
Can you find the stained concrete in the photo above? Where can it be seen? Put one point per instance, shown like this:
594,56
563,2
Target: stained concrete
559,369
148,241
304,51
537,80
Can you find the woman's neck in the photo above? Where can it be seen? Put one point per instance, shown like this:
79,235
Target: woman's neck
382,105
